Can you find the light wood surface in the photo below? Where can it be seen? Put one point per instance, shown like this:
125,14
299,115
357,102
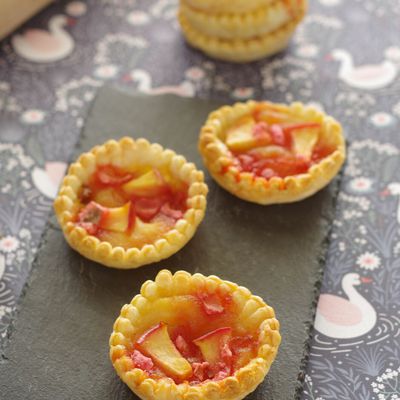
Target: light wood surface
14,12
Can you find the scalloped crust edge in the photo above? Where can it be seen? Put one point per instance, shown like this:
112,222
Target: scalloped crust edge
275,190
258,22
224,6
234,387
117,257
241,50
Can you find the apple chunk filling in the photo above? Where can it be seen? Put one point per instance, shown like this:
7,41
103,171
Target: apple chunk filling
195,351
215,344
157,344
271,144
131,209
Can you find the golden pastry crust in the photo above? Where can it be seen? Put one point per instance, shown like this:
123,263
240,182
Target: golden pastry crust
240,50
123,154
134,319
226,6
258,22
217,157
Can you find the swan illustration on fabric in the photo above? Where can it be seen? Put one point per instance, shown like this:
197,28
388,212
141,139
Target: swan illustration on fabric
341,318
393,189
42,46
143,79
48,180
368,77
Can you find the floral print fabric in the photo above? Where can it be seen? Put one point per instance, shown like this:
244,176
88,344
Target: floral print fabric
344,58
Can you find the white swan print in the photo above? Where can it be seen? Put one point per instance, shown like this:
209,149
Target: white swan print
366,77
342,318
41,46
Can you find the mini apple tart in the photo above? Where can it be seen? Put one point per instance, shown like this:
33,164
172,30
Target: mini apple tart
240,50
272,153
130,203
194,337
231,25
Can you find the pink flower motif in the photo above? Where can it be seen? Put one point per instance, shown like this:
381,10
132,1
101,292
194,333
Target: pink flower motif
369,261
106,71
381,119
243,93
360,185
195,73
8,244
307,51
33,117
138,18
76,8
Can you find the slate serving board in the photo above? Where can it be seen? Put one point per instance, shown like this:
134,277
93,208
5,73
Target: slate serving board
59,342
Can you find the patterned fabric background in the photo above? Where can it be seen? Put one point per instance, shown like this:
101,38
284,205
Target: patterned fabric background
345,58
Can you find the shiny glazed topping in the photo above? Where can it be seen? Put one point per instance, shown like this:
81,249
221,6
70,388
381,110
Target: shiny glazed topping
269,143
131,209
195,349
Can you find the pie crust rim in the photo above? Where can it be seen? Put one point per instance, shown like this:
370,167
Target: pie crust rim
244,185
235,387
241,50
247,25
65,205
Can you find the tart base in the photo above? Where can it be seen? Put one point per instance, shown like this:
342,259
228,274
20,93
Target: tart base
255,313
240,50
245,185
127,153
259,22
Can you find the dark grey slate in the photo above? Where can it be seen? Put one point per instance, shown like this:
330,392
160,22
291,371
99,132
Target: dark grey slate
59,342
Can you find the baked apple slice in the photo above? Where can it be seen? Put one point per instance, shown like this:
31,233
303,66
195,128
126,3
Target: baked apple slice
95,216
213,344
117,218
148,184
304,139
248,135
157,344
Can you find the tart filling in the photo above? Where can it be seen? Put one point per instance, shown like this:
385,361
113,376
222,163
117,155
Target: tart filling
131,208
197,334
271,153
129,203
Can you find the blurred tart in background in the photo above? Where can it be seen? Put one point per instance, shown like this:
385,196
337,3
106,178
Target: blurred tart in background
237,35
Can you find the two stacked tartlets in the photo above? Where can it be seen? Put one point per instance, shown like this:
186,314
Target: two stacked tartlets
129,203
240,30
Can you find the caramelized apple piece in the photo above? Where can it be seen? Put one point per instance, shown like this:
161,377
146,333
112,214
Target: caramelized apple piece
91,216
110,175
242,349
304,140
117,218
213,344
211,304
147,208
148,184
157,344
109,198
272,116
141,361
240,137
269,151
